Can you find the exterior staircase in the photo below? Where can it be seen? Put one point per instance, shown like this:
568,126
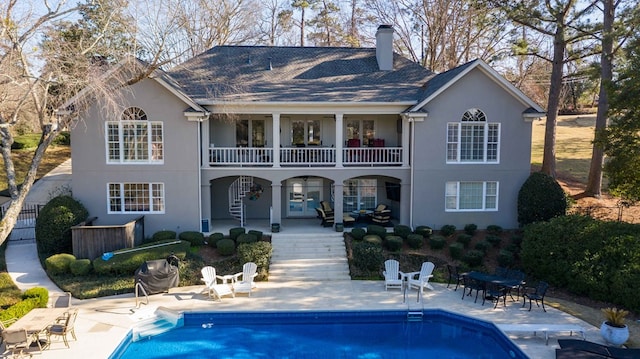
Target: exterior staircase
308,257
237,191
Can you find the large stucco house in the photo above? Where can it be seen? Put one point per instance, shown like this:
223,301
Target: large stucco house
253,132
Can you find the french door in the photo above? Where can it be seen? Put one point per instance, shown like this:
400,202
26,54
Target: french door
303,196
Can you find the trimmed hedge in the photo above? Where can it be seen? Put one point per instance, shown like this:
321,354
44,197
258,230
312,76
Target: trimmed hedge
59,263
246,238
367,256
126,261
214,238
36,297
456,249
164,235
39,293
448,230
373,239
193,237
470,229
53,226
540,198
258,253
358,233
437,242
256,233
464,238
402,231
226,246
80,267
393,243
377,230
415,241
483,246
425,231
505,258
235,232
494,240
473,258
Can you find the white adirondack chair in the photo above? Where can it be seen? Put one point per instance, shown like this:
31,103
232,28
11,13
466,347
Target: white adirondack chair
246,284
212,286
420,280
392,274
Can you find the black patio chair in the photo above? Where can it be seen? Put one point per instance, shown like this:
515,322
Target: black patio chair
518,277
537,294
494,292
472,284
454,275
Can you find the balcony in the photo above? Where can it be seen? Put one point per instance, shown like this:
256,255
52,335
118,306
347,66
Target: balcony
313,156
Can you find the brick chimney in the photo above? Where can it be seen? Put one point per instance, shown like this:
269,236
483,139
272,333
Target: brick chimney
384,47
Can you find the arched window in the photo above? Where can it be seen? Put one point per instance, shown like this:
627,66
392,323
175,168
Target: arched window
473,139
134,138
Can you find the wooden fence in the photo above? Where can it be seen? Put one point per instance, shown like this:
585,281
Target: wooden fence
90,241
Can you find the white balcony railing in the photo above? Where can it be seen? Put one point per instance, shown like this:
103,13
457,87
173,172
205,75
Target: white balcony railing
305,156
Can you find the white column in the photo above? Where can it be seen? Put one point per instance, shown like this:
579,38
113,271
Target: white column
338,202
339,142
276,202
205,143
276,141
405,141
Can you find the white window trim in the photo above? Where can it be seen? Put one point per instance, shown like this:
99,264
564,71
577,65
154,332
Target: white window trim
122,201
150,143
485,143
484,197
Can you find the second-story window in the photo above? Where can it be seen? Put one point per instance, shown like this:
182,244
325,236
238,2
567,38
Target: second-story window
473,139
250,133
134,139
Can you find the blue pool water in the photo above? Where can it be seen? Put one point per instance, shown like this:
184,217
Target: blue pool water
377,334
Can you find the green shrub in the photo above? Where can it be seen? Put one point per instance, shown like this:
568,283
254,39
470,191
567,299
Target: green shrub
20,309
505,258
41,294
80,267
483,246
402,231
235,232
373,239
473,258
455,249
540,198
256,233
193,237
464,238
256,252
516,240
358,233
214,238
53,226
448,230
425,231
59,263
63,139
437,242
393,243
246,238
226,246
164,235
126,261
377,230
415,240
470,229
494,229
367,256
494,240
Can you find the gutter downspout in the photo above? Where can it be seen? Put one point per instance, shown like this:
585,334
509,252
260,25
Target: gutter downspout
200,162
411,157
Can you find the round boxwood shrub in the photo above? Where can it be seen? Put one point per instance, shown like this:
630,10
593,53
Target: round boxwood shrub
494,240
377,230
258,252
505,258
373,239
425,231
470,229
367,256
358,233
214,238
246,238
393,243
80,267
193,237
448,230
164,235
516,240
226,246
455,249
53,226
402,230
437,242
415,240
256,233
494,229
473,258
235,232
464,238
540,198
483,246
59,263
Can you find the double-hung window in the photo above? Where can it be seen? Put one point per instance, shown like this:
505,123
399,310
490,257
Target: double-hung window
134,139
473,139
471,196
135,197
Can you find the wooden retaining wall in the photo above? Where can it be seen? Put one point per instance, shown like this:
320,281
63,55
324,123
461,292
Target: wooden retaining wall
91,241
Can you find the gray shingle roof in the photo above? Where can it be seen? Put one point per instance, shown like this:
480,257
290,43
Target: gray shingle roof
298,74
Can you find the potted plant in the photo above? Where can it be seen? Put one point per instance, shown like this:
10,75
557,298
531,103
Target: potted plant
613,329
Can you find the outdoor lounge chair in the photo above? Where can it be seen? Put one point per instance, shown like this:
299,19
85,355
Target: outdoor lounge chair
214,288
3,326
246,284
381,215
599,350
392,275
420,280
327,220
60,300
326,207
17,341
63,326
537,294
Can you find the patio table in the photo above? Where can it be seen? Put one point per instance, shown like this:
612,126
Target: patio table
37,320
495,279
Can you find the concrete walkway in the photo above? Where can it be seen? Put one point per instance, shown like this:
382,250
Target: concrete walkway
103,322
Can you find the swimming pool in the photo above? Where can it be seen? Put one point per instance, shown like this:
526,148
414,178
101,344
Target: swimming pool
326,334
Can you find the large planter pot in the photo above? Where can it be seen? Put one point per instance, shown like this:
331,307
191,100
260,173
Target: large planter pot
614,335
